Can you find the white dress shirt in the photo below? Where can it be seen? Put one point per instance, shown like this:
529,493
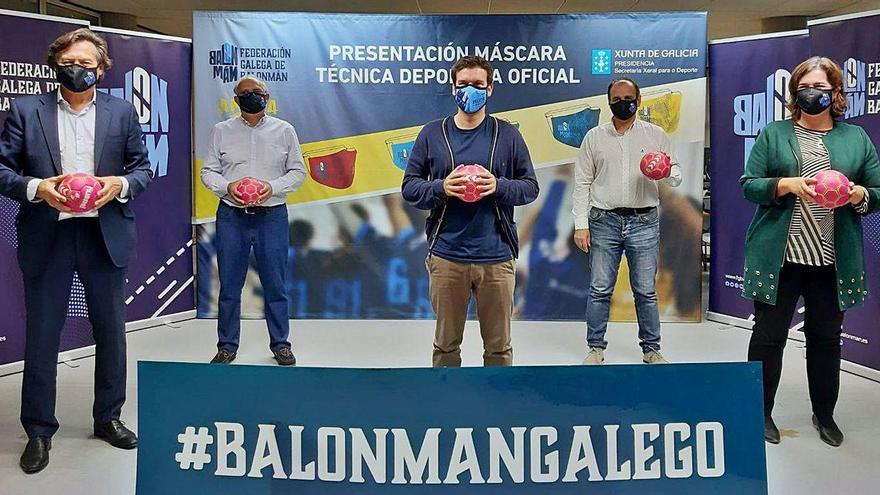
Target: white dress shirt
76,140
607,173
268,151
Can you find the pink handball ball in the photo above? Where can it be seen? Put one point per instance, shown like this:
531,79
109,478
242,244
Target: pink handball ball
656,165
832,189
249,190
471,194
81,191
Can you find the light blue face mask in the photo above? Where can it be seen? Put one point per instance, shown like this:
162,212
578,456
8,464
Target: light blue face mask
470,99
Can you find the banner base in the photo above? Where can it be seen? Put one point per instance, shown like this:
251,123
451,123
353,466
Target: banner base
797,336
83,352
729,320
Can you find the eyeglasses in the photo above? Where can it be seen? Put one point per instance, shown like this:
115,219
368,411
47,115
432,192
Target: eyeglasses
258,93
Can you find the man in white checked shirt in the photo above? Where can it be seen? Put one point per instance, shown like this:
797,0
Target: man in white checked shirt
265,148
615,212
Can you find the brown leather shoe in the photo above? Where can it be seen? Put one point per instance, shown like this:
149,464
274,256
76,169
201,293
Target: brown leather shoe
223,356
285,357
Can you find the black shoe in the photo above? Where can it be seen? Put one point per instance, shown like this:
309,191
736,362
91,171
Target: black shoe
223,357
285,357
829,433
35,457
771,432
116,434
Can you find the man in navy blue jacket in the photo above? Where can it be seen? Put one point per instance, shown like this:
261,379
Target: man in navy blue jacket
472,246
73,130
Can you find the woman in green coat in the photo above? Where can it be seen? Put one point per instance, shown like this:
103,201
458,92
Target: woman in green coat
795,247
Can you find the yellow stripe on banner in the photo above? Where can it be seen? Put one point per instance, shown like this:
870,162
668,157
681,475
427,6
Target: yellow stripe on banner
368,164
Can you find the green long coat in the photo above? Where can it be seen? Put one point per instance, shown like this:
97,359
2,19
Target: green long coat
776,155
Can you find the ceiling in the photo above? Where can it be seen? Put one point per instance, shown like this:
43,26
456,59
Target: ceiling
726,18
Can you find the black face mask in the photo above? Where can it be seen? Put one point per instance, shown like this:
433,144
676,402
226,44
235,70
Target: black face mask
76,78
251,102
813,101
624,109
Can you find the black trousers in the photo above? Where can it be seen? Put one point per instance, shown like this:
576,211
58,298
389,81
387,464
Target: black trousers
79,245
822,328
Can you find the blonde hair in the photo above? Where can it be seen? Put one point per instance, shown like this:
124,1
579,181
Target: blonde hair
259,82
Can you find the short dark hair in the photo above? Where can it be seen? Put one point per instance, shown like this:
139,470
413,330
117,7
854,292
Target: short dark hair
470,62
64,41
624,79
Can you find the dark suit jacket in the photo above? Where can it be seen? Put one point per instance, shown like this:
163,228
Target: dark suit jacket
29,148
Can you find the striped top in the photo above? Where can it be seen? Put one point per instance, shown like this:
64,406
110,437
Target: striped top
811,236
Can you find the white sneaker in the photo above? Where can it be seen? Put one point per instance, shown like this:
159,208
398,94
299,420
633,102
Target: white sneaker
595,356
654,357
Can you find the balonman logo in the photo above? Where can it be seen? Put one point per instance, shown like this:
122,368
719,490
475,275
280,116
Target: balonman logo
854,86
225,62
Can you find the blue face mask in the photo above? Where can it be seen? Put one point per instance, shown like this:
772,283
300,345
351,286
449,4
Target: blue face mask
470,99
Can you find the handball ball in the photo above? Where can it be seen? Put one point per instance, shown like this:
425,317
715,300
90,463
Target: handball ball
81,191
249,190
832,189
656,165
471,194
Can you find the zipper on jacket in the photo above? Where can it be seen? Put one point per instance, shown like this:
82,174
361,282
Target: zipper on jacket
445,203
491,166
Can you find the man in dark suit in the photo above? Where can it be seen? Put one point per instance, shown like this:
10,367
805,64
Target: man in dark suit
73,130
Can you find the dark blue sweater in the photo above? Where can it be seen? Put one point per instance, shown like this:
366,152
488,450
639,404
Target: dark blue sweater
432,160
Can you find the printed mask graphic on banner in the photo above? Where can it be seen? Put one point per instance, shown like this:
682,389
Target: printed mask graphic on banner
662,108
401,148
333,168
569,125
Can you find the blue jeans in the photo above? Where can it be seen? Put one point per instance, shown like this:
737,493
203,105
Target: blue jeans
638,236
237,233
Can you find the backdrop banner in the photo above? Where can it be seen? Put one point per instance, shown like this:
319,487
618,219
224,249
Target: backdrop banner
358,88
849,41
683,429
155,75
744,98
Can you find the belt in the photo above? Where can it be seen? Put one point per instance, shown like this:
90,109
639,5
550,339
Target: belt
628,212
253,210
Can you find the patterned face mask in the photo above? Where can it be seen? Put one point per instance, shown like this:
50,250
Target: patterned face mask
813,101
470,99
570,128
76,78
334,170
